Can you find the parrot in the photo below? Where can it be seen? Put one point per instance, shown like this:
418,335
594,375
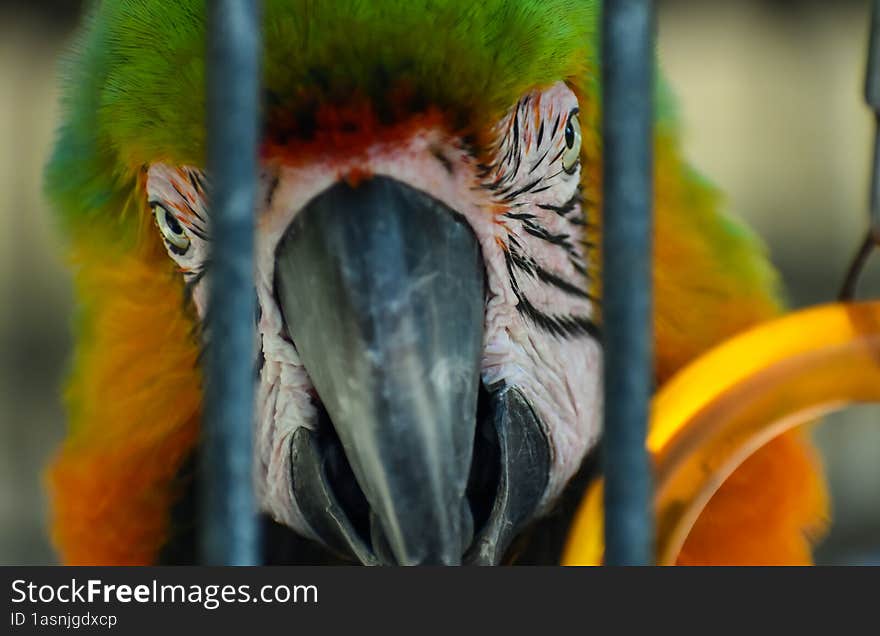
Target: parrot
428,364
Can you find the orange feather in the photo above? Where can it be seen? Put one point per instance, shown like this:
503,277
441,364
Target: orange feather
134,402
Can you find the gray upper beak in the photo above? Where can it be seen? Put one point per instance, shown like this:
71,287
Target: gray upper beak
382,289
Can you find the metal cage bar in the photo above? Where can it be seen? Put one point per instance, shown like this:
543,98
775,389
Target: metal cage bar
627,162
229,530
872,97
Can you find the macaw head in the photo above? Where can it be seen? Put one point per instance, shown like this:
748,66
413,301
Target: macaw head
428,357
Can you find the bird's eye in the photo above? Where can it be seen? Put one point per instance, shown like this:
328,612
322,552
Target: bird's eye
171,229
572,152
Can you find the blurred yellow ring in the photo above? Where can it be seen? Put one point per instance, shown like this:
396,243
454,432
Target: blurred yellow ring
723,407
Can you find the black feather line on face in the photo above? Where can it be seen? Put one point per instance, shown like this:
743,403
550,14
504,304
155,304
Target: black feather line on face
565,208
270,191
541,160
185,201
540,232
483,170
516,133
520,216
437,153
526,188
578,267
198,232
565,327
194,181
532,268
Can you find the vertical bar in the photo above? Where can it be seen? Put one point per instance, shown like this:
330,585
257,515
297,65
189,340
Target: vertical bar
627,128
872,97
229,521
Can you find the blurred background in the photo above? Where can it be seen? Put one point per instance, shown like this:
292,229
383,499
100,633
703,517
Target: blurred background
770,91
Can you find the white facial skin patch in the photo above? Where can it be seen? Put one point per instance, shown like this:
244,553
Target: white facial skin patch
525,209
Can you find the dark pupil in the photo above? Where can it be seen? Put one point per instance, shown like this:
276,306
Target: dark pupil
172,223
569,134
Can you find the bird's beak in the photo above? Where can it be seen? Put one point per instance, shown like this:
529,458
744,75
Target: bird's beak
382,290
